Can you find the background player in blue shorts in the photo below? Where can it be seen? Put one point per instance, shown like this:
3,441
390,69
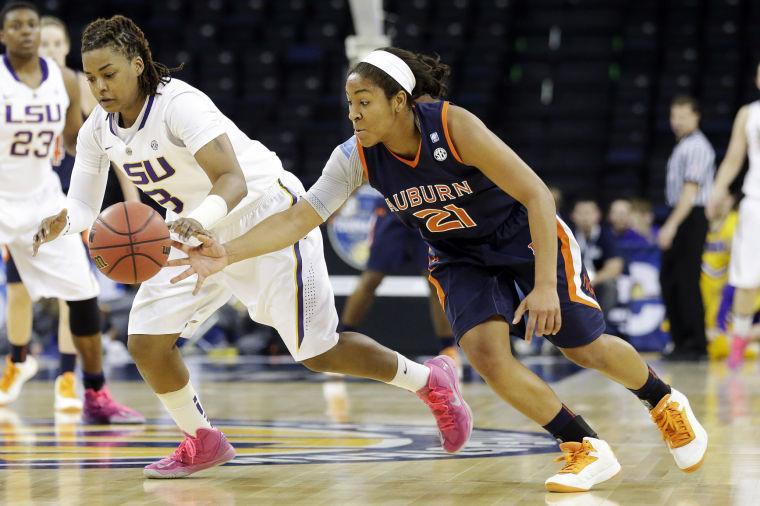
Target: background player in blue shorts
393,247
492,227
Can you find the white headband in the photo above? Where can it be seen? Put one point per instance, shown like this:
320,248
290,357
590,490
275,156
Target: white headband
394,67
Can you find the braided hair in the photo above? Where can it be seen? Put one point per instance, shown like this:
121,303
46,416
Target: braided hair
123,36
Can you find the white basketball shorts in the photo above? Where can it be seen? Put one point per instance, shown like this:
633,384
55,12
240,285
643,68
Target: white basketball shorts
289,289
61,268
744,269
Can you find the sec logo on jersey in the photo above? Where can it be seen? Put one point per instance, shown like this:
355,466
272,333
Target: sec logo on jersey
440,154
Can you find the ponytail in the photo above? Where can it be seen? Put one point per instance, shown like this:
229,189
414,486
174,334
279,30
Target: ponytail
431,75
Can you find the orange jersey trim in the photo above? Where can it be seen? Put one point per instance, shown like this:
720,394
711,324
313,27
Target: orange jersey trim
444,121
438,290
569,271
410,163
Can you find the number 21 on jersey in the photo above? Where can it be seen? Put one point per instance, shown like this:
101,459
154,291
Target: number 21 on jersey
450,217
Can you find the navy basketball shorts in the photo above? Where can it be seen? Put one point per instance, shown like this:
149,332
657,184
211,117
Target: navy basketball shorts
471,294
394,246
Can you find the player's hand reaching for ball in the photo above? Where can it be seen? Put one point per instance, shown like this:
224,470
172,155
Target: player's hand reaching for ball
50,228
204,260
544,315
186,228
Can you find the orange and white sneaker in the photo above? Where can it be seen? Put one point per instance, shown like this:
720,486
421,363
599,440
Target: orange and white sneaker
66,398
14,377
684,435
586,464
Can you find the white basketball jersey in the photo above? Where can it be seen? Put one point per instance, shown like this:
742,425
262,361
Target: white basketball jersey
32,119
159,163
751,187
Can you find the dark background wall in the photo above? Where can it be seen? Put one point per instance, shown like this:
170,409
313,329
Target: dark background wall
579,88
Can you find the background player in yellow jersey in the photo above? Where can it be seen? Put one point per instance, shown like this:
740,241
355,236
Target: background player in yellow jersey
714,279
714,276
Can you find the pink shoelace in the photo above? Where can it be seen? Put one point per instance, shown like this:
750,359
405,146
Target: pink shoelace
106,403
437,401
104,400
185,452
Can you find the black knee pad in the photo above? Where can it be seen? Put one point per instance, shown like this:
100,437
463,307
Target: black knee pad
84,317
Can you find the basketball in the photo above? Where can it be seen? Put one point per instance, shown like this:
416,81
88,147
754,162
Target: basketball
129,242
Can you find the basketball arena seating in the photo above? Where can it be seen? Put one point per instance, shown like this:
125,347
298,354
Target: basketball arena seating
580,89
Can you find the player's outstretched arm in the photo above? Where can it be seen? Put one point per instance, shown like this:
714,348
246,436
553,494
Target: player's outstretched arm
273,234
731,165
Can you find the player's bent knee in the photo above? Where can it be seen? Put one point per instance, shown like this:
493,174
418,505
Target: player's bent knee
324,362
18,294
147,348
320,363
370,280
488,356
134,345
589,356
84,317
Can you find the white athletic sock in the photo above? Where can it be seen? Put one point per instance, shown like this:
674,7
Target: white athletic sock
410,375
742,326
185,409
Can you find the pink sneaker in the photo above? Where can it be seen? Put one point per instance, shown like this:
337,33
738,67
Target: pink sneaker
101,408
442,396
208,449
736,355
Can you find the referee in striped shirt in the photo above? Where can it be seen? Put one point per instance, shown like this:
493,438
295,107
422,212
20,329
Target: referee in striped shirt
691,169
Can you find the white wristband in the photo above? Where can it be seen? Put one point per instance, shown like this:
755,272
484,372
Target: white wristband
212,209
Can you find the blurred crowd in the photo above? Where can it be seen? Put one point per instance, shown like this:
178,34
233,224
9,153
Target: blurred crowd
623,259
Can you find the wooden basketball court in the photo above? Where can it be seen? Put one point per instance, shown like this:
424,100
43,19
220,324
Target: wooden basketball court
296,447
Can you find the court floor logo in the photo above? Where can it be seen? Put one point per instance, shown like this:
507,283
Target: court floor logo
42,444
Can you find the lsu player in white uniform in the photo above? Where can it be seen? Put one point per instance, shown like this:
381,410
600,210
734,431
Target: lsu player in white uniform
174,144
744,269
40,101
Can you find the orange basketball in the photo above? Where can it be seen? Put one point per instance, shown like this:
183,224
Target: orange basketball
129,242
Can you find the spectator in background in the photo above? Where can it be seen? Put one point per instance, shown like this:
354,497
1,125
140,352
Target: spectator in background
642,220
691,169
620,217
558,199
639,290
600,256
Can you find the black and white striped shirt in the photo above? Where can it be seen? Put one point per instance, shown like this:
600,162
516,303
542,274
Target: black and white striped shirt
692,161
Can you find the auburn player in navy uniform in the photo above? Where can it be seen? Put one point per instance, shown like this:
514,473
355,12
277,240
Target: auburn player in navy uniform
491,224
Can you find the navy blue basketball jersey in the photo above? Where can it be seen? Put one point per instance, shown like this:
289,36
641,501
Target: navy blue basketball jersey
454,206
